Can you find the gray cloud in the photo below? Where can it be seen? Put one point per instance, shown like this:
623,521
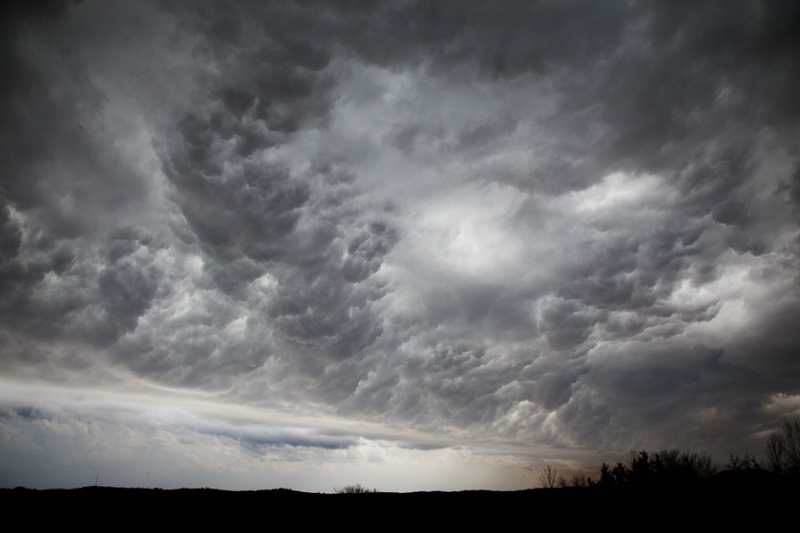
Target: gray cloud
258,438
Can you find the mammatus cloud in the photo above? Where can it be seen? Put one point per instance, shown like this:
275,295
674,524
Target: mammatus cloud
553,228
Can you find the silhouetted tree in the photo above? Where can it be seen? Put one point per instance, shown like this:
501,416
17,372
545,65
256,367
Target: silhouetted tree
578,481
743,462
353,489
620,474
677,464
549,478
783,450
667,467
606,477
640,470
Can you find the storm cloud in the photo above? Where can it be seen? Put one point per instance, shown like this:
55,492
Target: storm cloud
523,228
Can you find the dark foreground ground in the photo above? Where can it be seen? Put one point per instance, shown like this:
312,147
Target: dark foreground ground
729,498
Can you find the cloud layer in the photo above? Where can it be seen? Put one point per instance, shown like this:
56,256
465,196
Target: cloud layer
538,225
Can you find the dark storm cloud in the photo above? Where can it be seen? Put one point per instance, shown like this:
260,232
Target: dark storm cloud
53,293
679,91
676,90
61,189
570,223
88,275
255,218
506,41
645,386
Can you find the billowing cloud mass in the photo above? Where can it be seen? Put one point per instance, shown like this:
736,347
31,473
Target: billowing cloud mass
261,244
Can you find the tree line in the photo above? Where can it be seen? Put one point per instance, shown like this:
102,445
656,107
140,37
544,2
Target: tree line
676,467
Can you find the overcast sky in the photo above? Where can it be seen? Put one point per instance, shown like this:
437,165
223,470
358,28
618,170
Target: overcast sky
417,245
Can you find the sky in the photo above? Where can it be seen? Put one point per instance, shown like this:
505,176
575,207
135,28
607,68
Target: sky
412,244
